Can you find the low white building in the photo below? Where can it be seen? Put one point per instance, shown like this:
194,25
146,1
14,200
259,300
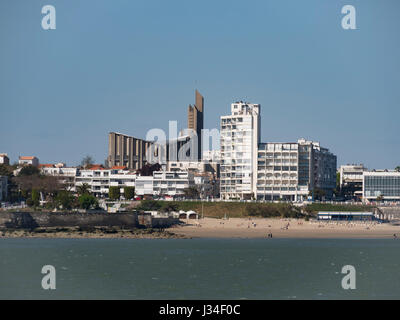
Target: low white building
66,175
381,185
161,183
164,183
100,180
24,161
4,159
144,185
351,179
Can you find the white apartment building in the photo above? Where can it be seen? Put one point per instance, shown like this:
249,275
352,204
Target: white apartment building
351,174
381,184
240,136
171,183
203,166
290,171
144,186
33,161
164,183
66,175
351,179
4,159
100,180
212,156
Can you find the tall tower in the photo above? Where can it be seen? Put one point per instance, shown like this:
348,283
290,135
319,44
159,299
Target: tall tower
196,120
240,136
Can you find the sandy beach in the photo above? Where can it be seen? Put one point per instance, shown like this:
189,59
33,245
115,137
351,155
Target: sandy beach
283,228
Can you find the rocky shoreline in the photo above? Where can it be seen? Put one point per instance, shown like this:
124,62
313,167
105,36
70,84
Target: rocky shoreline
90,233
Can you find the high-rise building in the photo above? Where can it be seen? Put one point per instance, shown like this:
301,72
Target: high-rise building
196,120
270,171
291,171
240,136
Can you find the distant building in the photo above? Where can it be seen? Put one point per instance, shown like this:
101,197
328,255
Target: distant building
194,166
126,151
270,171
3,188
171,183
4,159
381,185
351,179
164,183
144,186
24,161
240,136
196,120
66,175
100,180
212,156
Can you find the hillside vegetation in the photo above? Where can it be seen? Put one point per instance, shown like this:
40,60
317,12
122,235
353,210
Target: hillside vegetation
235,209
315,207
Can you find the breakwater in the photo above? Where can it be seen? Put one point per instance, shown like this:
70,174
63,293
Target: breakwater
32,220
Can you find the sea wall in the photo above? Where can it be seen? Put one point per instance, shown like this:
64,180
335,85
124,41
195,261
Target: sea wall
31,220
163,222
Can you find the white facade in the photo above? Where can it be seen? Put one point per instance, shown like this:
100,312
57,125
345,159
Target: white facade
33,161
381,184
171,183
164,183
4,159
240,136
278,172
101,180
66,175
351,174
291,171
212,156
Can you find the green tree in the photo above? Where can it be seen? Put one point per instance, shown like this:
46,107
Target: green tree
87,201
148,169
319,194
191,193
6,170
83,189
129,193
114,193
169,207
149,205
397,169
379,198
65,199
29,171
35,197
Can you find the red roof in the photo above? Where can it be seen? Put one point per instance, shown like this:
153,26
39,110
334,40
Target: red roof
26,158
96,167
45,165
118,168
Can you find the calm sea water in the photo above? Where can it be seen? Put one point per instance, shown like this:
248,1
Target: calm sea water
199,268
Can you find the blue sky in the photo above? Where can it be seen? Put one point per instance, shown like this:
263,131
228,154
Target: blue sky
130,66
